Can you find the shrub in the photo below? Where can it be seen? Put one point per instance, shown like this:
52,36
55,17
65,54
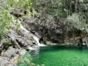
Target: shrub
76,21
5,20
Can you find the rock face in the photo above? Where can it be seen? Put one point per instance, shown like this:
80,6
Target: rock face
48,29
20,40
20,36
11,56
85,40
53,30
11,52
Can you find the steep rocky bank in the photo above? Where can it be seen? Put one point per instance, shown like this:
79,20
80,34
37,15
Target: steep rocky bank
31,32
52,30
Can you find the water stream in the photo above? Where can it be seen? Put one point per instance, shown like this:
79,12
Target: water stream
26,33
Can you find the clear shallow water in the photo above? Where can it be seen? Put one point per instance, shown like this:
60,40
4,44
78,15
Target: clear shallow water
62,56
21,61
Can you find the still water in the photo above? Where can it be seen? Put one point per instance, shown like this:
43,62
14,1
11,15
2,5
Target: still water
62,56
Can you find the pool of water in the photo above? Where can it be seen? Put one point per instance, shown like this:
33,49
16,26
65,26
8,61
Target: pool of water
62,56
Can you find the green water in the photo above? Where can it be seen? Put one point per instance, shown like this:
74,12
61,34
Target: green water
62,56
21,61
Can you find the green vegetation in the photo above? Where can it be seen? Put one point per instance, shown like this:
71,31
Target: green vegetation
64,9
5,20
74,13
8,6
20,6
77,21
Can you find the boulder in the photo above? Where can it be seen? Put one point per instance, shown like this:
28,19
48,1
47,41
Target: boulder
5,62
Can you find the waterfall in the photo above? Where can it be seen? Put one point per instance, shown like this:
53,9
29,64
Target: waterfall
37,40
26,32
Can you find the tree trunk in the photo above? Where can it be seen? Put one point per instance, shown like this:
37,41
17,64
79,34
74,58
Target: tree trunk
76,5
